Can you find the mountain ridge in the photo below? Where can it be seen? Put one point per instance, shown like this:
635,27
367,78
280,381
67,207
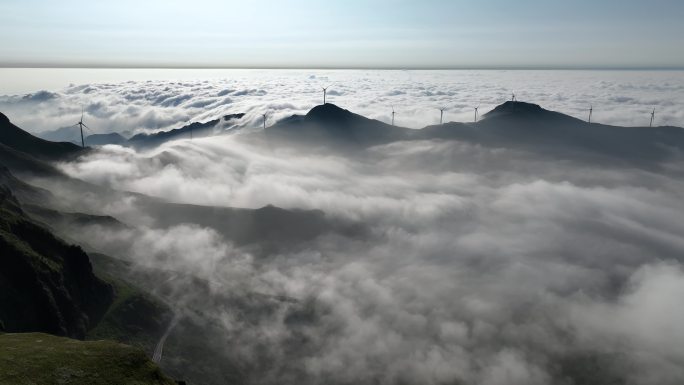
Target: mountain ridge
194,129
516,124
20,140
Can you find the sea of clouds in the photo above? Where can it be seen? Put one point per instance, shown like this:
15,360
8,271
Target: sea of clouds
480,265
174,99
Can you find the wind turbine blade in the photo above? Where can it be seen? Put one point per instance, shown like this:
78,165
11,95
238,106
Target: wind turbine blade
85,126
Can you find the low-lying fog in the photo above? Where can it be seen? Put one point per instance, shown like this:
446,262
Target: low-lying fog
476,266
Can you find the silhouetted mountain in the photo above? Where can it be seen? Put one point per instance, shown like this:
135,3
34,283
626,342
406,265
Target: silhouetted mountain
511,124
528,126
196,130
20,140
328,122
102,139
522,111
23,153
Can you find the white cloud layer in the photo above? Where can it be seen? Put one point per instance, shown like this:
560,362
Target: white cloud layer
177,98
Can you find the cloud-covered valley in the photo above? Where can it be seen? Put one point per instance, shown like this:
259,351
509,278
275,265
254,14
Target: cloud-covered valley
424,261
480,265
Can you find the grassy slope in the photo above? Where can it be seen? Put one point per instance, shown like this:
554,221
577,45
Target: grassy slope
36,358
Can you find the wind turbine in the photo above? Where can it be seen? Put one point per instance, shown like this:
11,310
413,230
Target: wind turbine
81,125
476,108
591,111
325,91
513,96
652,118
264,116
441,114
393,115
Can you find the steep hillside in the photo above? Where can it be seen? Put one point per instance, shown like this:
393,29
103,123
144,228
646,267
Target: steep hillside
20,140
45,284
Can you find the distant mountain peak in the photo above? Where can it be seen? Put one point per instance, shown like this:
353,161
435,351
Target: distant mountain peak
511,107
328,123
330,112
526,111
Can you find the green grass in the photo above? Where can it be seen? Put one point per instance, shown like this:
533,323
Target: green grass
37,358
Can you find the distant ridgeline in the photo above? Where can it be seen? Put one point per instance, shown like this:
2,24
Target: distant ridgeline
142,141
513,123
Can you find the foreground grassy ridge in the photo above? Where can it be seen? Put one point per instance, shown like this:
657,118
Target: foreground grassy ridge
36,358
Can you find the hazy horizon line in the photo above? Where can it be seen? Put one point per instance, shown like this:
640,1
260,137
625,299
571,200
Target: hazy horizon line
396,68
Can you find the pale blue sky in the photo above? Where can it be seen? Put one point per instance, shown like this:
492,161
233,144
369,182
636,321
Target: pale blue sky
342,34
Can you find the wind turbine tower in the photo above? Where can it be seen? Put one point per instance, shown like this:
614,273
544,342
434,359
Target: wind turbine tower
81,125
441,114
325,91
476,108
652,118
264,116
513,97
393,115
591,111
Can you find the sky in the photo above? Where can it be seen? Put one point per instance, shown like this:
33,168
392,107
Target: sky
343,34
